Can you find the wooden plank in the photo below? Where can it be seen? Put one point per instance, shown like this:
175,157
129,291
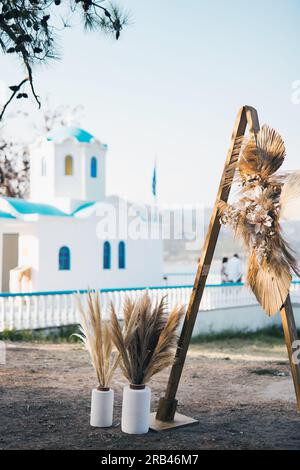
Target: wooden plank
166,412
290,335
168,403
178,422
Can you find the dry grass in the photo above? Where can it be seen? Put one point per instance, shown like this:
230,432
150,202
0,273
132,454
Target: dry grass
95,333
146,344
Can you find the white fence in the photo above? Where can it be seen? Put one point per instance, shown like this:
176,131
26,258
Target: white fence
52,309
187,278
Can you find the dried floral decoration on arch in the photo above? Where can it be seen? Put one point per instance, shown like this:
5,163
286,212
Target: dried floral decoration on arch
264,199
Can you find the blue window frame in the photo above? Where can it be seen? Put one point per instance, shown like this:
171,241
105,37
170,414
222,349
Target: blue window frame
122,255
106,255
64,259
93,167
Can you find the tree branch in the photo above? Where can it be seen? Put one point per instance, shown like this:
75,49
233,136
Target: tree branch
15,91
30,78
27,28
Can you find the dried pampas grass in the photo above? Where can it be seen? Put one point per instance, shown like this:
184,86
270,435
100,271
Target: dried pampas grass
95,334
146,344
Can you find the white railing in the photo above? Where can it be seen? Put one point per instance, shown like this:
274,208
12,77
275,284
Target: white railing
52,309
187,278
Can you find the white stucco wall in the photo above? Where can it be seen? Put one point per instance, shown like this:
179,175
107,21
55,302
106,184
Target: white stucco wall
41,237
29,252
144,261
55,184
26,231
42,187
94,188
247,318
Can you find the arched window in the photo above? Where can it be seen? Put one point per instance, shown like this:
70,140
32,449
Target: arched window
93,167
122,261
69,165
64,258
106,255
43,167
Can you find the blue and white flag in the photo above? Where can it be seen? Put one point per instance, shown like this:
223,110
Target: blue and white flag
154,181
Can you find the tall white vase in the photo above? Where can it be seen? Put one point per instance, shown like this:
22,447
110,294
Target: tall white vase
102,408
136,409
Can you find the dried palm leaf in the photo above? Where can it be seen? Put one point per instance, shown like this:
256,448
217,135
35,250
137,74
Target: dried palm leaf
146,344
262,155
255,217
270,287
163,353
290,197
127,310
119,342
95,334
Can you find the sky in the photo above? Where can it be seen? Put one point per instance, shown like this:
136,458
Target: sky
171,87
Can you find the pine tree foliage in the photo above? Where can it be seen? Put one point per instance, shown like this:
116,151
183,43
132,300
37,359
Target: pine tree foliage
30,30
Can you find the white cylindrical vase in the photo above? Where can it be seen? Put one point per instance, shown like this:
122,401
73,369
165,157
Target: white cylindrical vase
136,409
102,407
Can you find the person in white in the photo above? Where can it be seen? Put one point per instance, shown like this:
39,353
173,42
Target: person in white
234,271
224,275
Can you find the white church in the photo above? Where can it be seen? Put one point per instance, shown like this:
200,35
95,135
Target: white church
53,241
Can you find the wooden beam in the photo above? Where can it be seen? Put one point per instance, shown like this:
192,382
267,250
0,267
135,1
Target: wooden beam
290,335
164,418
178,422
168,404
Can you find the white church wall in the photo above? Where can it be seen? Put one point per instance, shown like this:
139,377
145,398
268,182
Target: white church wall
29,254
69,185
42,171
25,230
48,180
144,263
40,241
41,237
55,233
94,188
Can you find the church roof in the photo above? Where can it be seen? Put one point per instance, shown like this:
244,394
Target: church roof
11,207
62,133
27,207
84,206
6,215
14,208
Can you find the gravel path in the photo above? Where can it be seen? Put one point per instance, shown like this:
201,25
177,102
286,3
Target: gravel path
242,396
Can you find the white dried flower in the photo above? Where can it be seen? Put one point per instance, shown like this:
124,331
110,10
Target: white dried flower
260,219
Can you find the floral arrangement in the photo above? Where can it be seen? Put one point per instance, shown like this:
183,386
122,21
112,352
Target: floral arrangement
265,197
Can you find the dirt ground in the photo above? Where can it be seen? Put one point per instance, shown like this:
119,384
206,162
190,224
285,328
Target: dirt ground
241,393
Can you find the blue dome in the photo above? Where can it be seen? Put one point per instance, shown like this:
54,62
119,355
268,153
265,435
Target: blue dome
62,133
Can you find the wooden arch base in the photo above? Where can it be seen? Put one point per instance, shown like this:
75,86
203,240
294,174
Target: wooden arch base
166,416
